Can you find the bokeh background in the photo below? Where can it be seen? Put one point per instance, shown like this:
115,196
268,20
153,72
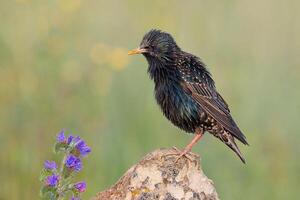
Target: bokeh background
64,64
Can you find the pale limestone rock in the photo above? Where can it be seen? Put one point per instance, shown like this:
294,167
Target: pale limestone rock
157,176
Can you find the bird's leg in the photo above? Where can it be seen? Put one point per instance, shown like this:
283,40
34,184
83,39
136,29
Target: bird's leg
188,148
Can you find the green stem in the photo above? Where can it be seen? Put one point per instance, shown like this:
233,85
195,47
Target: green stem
60,187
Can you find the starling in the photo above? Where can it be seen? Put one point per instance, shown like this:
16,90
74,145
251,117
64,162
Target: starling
186,93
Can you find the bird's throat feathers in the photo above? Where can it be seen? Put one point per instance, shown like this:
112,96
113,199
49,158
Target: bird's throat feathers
161,71
167,71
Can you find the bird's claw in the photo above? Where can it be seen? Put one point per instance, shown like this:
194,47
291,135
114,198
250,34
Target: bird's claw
185,153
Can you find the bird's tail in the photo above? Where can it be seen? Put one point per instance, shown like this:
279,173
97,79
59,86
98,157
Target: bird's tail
228,139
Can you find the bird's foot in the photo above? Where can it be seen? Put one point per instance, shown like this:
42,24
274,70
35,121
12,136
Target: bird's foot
188,152
182,153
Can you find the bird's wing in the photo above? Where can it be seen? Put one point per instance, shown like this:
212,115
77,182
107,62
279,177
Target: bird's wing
202,90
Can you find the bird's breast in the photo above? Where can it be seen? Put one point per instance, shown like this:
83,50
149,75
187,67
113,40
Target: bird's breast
177,106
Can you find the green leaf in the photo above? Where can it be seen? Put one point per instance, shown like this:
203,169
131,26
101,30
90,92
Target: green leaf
44,174
60,147
44,190
48,192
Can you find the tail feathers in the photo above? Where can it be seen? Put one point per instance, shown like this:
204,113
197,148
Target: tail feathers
228,139
236,149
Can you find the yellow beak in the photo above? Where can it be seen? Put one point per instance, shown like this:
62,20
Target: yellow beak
137,51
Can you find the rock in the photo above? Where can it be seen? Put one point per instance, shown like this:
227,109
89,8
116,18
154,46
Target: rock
158,176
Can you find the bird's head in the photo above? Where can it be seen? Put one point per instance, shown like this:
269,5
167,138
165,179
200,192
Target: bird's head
157,45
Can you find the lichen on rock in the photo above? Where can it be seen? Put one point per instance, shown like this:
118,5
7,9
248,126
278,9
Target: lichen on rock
158,176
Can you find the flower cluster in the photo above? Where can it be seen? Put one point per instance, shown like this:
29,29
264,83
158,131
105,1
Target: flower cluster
57,182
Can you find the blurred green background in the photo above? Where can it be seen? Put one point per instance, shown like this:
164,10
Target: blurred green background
64,64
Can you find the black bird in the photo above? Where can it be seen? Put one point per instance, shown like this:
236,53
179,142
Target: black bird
186,93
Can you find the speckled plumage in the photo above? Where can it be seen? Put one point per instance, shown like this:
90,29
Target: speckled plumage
185,90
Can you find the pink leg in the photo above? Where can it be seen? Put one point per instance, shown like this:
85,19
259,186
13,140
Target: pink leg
188,148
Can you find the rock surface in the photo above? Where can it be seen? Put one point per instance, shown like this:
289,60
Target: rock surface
158,176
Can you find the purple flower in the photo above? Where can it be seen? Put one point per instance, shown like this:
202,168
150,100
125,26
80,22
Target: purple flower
52,180
61,138
75,198
73,162
82,147
80,186
51,165
76,139
70,139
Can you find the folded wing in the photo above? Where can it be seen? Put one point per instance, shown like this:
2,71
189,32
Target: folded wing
201,88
